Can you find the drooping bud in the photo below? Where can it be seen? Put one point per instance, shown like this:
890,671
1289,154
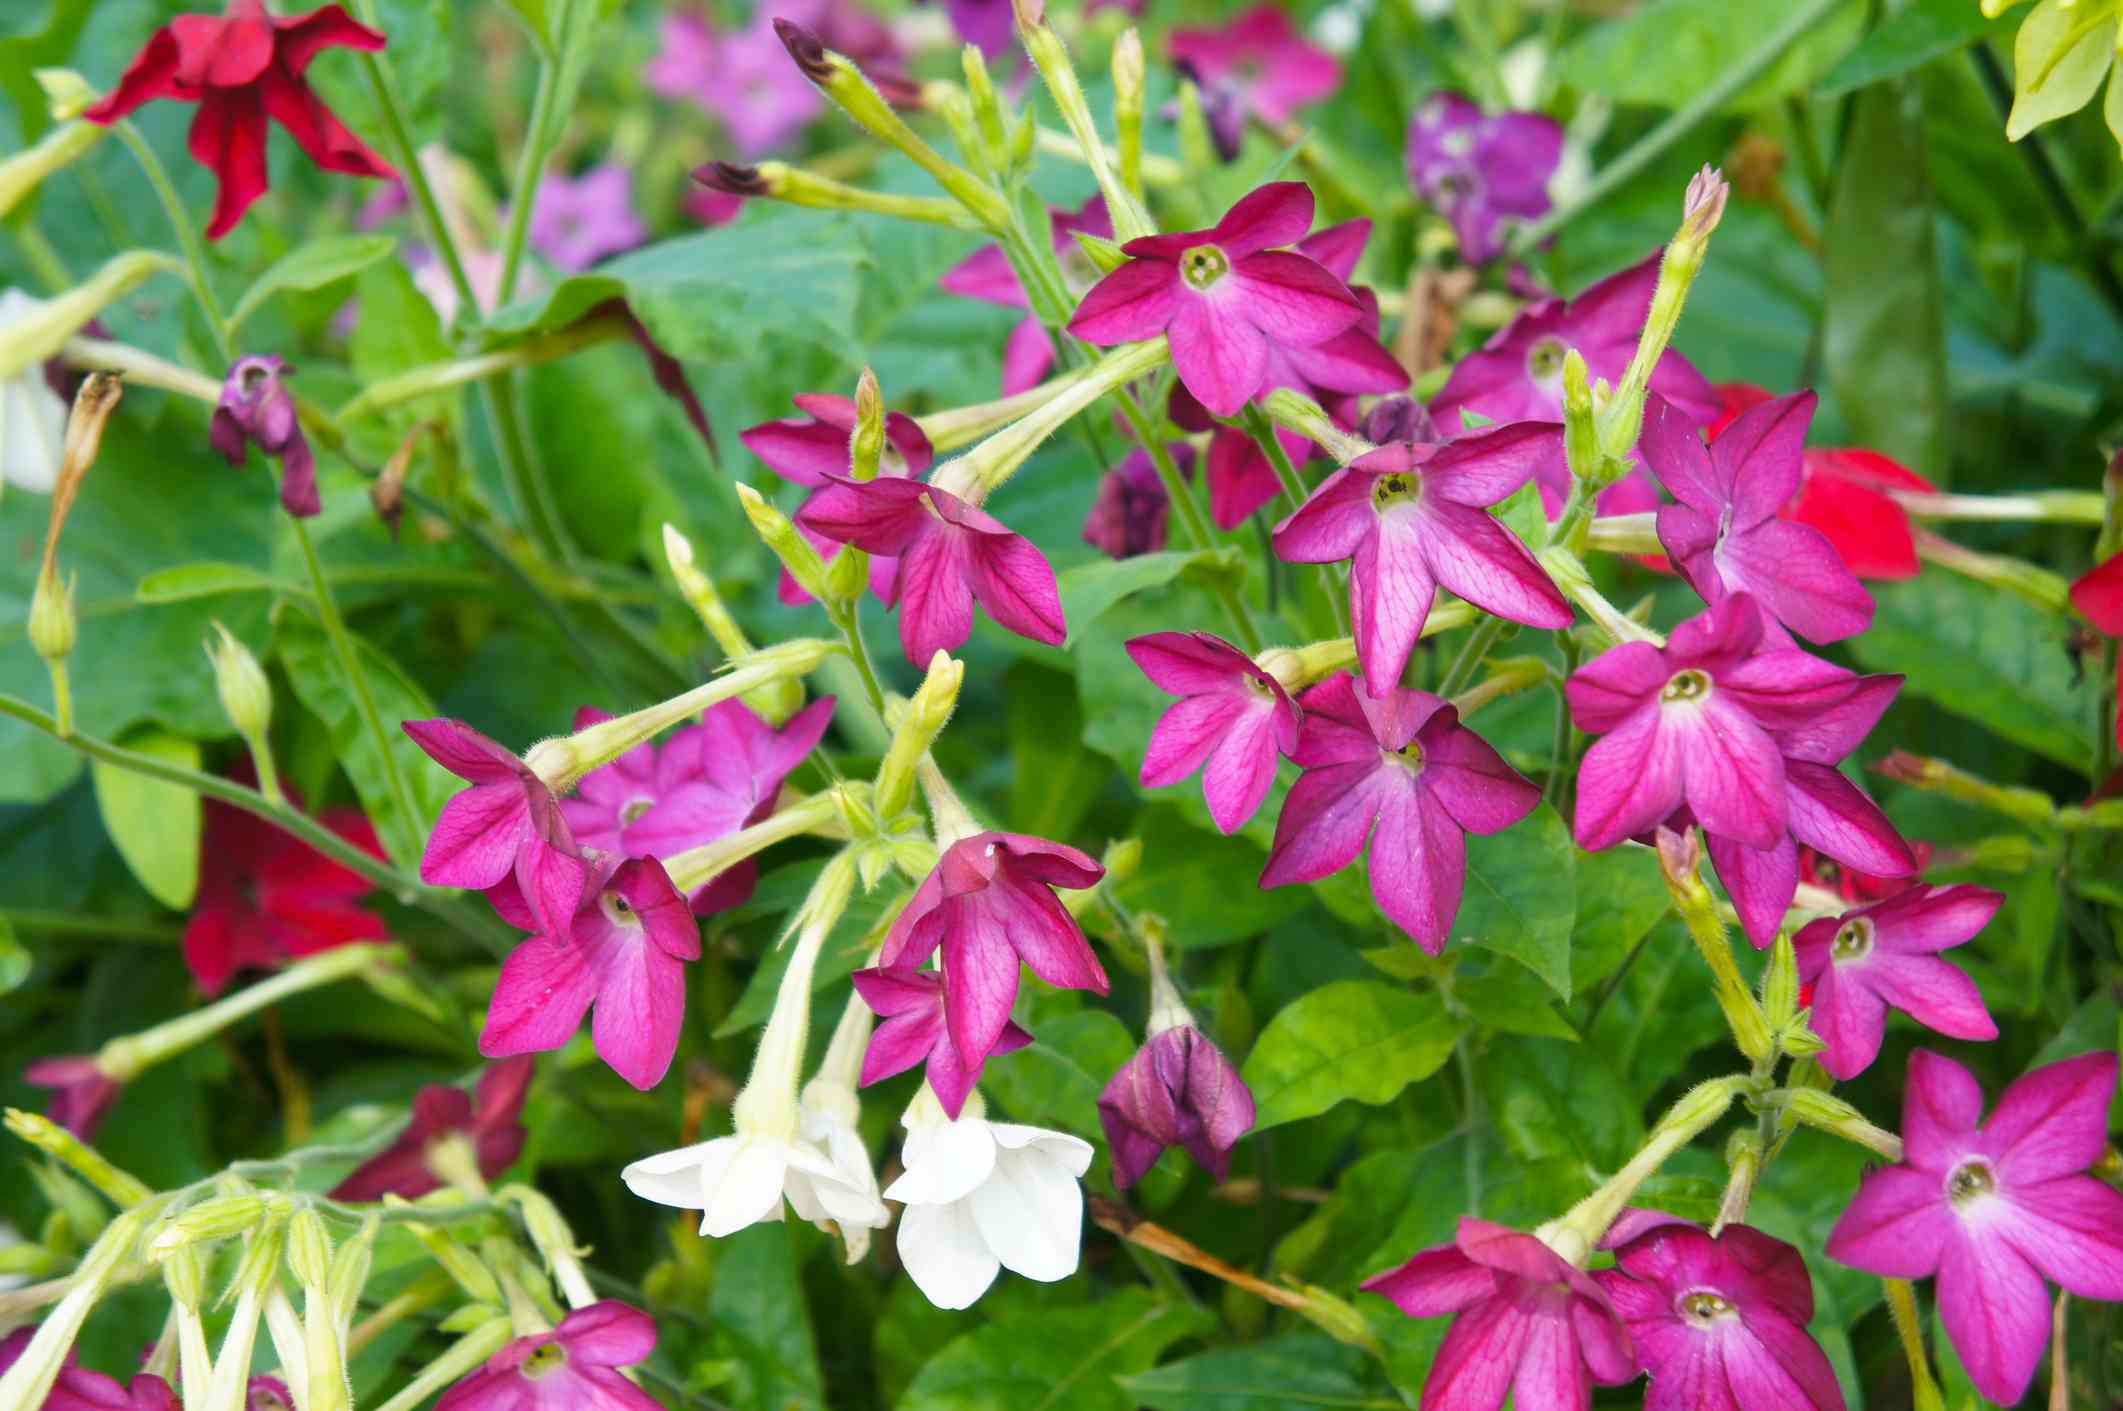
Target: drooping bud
1309,419
257,409
779,534
220,1218
922,721
778,181
388,493
42,328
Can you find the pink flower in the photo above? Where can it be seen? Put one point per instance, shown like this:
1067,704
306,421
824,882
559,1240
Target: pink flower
256,409
2098,595
1482,173
1530,1323
1404,762
1238,473
575,1367
915,1031
1259,64
813,450
1130,515
625,953
508,824
79,1389
1178,1090
683,66
1993,1208
575,222
268,1394
1719,1321
705,782
989,904
1410,517
950,555
986,275
82,1093
1725,537
1886,955
762,98
1233,722
492,1122
1223,296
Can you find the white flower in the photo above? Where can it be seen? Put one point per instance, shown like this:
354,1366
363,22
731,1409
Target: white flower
986,1196
32,415
741,1180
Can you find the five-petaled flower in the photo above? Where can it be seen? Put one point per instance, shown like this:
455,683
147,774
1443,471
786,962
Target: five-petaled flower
745,1178
489,1122
1232,721
1482,173
1404,762
242,68
912,1003
1178,1090
813,450
1886,956
1256,66
1993,1208
576,1365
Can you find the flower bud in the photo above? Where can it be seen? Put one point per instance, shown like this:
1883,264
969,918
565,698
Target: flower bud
1128,107
42,330
53,624
1399,418
924,719
780,536
988,112
1581,434
24,172
309,1249
68,93
866,446
1780,985
246,695
184,1274
1105,255
1799,1041
1051,57
350,1268
1701,210
778,181
220,1218
1337,1318
1831,1114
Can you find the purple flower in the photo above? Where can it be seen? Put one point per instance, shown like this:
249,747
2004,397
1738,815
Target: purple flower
268,1394
575,1366
1993,1208
82,1094
814,450
1178,1090
79,1389
1256,66
1223,296
257,409
1725,537
762,98
1481,172
1719,1321
506,826
1530,1323
705,782
989,904
915,1031
950,555
577,222
624,952
1410,517
1129,516
1864,961
988,25
683,66
1233,722
986,275
1404,762
491,1122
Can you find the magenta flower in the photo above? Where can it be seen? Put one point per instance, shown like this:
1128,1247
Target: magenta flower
575,222
82,1093
989,904
1725,537
507,825
1886,955
986,275
1178,1090
575,1366
915,1031
988,25
1130,515
1223,296
256,409
813,450
490,1122
1482,173
762,98
79,1389
625,953
1993,1208
1719,1321
1256,66
950,555
268,1394
1239,476
683,66
1233,722
1530,1323
1404,762
1410,517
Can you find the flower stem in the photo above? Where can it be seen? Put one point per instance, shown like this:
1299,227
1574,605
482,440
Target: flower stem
1192,524
409,169
1902,1310
2041,506
530,169
181,222
848,618
1477,647
1258,426
463,1357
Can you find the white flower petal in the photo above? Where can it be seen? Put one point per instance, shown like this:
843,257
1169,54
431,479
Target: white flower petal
1072,1152
677,1177
32,432
948,1163
945,1255
1031,1213
750,1189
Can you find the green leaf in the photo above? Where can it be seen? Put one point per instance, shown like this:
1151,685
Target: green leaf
1552,1100
1621,895
1511,998
1356,1039
1294,1370
14,959
1065,1359
1909,38
154,824
1088,590
312,266
1202,883
1932,628
1883,341
762,1324
207,580
1055,1080
1521,897
1054,779
2059,58
1663,54
313,671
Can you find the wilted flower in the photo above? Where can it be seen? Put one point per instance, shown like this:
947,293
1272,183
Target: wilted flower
1993,1208
257,409
1178,1090
242,68
1129,516
1884,956
1224,296
32,415
911,1001
576,1366
577,221
1255,66
1405,763
1233,722
490,1124
986,275
1482,173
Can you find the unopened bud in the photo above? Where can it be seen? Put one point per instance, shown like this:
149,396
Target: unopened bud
779,534
1581,432
1128,69
68,93
1338,1318
1121,859
41,331
856,809
1105,255
1780,985
1831,1114
350,1268
220,1218
1128,108
924,719
184,1274
1798,1040
28,169
1702,209
52,621
866,445
458,1262
309,1249
245,693
987,107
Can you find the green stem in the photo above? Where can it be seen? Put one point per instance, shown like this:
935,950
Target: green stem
1192,524
1908,1327
1477,647
1262,431
849,619
526,486
414,175
530,168
68,923
188,238
1653,144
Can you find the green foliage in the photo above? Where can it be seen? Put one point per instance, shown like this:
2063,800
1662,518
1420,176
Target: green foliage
1353,1039
1051,1358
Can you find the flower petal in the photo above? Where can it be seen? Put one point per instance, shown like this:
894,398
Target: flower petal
944,1253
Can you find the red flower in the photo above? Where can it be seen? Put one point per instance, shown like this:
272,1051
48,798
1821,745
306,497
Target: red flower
265,896
491,1121
1847,495
2099,598
241,69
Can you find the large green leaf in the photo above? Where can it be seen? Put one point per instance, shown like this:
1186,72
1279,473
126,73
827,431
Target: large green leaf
1066,1359
1088,590
1055,1080
154,824
1356,1039
1521,897
1909,38
1554,1100
312,266
1203,883
1665,53
762,1325
1054,779
1294,1370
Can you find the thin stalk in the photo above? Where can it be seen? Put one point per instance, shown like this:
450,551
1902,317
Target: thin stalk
526,486
67,923
849,620
1263,432
409,168
188,238
530,168
1478,644
1192,524
1909,1328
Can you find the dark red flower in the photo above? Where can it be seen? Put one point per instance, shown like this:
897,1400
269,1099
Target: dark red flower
264,895
241,69
491,1121
2099,598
